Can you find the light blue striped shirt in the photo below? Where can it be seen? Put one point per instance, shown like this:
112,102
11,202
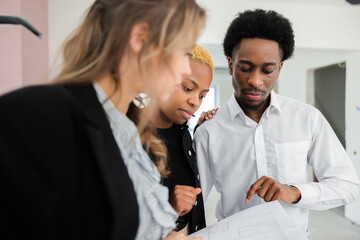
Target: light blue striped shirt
157,217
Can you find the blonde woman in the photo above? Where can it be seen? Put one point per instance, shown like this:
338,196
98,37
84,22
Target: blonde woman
170,118
72,165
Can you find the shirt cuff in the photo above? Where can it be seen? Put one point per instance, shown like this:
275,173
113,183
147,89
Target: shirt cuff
309,195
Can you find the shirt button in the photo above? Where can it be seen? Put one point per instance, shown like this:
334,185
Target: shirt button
198,177
195,203
196,227
189,152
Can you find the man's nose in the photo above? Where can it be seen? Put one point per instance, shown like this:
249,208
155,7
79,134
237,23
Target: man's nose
255,79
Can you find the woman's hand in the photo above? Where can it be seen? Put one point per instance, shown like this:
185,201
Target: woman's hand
206,116
183,198
179,236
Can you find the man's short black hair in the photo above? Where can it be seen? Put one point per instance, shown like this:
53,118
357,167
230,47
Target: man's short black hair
268,25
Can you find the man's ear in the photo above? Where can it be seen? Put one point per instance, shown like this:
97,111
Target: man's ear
138,36
230,65
280,66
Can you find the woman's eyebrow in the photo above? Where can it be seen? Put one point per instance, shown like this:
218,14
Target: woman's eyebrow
196,85
192,81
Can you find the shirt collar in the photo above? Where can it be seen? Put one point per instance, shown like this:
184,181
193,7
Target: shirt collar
235,109
274,101
127,130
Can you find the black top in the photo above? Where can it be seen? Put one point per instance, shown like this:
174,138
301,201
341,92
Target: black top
61,171
184,171
181,171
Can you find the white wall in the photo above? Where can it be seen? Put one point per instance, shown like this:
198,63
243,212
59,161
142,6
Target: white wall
64,17
316,25
223,81
293,75
292,83
352,119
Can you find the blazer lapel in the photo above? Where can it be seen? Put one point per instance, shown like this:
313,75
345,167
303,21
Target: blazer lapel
107,154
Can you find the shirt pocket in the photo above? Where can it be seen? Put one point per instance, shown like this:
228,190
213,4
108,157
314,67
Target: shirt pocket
292,161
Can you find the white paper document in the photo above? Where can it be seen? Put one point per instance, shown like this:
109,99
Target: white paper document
266,221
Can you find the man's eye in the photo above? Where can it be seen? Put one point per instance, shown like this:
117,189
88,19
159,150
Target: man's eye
201,96
245,69
267,72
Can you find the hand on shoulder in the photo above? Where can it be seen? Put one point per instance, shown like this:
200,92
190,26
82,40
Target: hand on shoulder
207,116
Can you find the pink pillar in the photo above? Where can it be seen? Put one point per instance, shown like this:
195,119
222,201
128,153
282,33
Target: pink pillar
23,56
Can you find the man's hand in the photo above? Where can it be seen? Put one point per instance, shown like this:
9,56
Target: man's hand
271,190
183,198
206,116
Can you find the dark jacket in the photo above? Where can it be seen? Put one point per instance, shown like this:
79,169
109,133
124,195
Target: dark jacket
61,173
196,217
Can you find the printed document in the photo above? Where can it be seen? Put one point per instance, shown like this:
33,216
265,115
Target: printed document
266,221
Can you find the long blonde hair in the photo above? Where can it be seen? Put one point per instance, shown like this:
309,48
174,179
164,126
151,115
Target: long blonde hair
153,145
98,45
96,48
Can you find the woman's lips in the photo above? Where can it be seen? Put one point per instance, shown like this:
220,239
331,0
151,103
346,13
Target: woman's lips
186,114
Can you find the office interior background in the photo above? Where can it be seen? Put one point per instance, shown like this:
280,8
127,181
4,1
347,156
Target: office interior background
324,72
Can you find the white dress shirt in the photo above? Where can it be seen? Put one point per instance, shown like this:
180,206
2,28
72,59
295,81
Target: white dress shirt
233,151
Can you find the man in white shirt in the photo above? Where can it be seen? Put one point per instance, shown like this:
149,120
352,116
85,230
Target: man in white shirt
257,147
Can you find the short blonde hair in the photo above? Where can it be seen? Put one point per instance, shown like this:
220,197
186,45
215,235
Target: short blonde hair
199,54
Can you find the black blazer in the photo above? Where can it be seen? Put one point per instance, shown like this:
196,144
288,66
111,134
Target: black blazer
61,172
196,217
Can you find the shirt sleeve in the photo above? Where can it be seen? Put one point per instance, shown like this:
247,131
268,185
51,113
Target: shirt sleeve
201,145
338,183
